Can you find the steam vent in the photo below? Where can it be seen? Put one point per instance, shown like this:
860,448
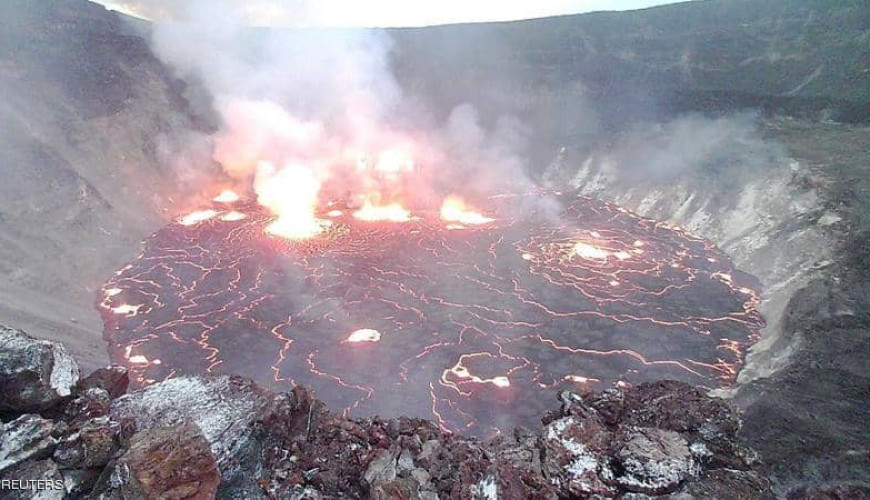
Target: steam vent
340,250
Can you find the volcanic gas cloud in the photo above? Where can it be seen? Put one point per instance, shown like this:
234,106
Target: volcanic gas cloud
396,265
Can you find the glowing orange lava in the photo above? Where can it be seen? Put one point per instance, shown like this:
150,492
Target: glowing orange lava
290,193
578,379
126,309
474,328
461,371
296,228
590,252
365,335
454,209
227,196
233,216
393,212
194,218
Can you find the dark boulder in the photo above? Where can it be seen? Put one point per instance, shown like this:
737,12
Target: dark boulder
91,446
652,461
34,374
113,379
226,410
171,463
85,405
680,407
28,437
576,456
79,482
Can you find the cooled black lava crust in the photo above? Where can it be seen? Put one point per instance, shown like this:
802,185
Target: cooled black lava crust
473,326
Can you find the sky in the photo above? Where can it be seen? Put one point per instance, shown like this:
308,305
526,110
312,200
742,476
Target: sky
382,13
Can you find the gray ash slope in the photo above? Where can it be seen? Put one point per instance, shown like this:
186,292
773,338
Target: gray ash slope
86,109
65,137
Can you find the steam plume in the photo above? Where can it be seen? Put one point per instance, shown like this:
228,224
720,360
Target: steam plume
325,104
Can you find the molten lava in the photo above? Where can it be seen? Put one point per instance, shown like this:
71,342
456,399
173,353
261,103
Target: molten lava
454,210
197,217
291,193
475,329
591,252
227,196
233,216
393,212
365,335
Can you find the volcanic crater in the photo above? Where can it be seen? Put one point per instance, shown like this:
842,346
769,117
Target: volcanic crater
471,324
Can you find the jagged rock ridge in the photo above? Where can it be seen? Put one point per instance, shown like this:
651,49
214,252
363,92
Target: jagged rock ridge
225,437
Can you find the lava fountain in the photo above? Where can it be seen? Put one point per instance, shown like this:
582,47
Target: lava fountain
468,315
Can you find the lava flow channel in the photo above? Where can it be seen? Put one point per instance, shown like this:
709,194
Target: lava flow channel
472,325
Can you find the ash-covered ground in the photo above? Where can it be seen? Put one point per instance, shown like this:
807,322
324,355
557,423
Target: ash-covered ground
471,325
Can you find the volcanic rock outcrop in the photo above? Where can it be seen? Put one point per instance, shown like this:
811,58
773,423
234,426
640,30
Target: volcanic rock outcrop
34,375
225,437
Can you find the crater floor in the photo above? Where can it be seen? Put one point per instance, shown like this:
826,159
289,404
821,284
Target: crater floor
465,324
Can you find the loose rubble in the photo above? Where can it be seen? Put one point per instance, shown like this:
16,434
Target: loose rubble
225,437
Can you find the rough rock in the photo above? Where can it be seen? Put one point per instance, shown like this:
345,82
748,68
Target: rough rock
831,492
680,407
382,468
197,437
171,463
727,484
575,455
40,480
590,447
34,374
113,379
653,461
28,437
90,446
225,408
79,482
305,494
85,405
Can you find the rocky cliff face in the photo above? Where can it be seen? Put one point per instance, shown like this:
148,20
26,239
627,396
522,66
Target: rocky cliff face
795,216
225,437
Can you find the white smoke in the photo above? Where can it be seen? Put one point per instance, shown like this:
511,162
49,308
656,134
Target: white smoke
501,150
724,151
325,101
